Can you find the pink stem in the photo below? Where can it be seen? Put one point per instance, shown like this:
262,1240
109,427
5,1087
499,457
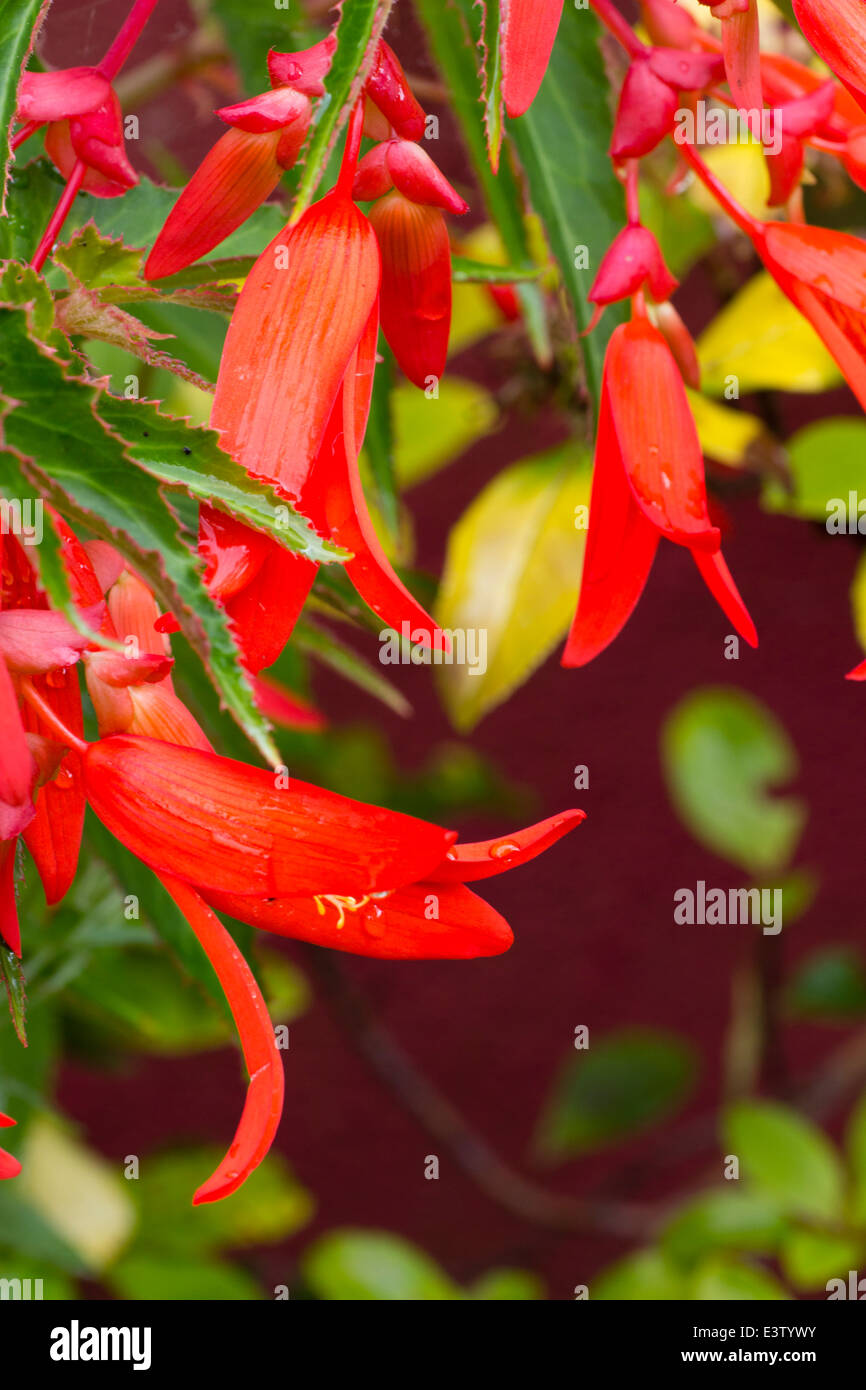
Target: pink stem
126,39
632,192
24,134
729,204
352,150
59,215
614,22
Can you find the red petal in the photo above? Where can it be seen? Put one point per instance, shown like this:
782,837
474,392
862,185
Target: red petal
53,837
54,96
307,300
270,111
233,179
227,827
373,177
657,434
419,179
399,927
17,768
37,640
285,707
684,70
388,88
529,29
303,70
646,112
620,547
858,673
416,285
264,1102
837,30
121,671
264,613
486,858
10,931
718,580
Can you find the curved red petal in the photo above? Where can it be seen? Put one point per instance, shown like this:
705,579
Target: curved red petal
836,29
720,583
264,1100
485,858
225,826
10,931
415,302
423,921
53,837
529,30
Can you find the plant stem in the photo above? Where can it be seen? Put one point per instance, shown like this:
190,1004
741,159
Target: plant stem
59,215
127,38
744,220
614,22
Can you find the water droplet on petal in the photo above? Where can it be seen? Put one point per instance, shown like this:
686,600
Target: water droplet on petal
503,849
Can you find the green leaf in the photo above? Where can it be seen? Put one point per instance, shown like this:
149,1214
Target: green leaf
855,1144
563,143
826,462
647,1276
809,1258
54,1286
251,30
511,578
830,985
28,1233
87,472
430,433
358,31
723,1280
331,652
722,754
20,21
270,1206
507,1286
362,1266
727,1219
12,975
379,442
96,260
787,1157
465,271
449,29
625,1082
143,1277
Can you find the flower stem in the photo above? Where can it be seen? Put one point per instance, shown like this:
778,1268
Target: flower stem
126,39
24,134
59,215
614,22
352,150
51,720
744,220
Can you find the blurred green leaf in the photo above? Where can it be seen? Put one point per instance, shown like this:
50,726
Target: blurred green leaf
809,1258
270,1205
727,1219
432,433
722,753
830,985
362,1266
647,1276
469,272
379,442
251,30
26,1231
787,1157
171,1278
855,1143
12,976
511,578
55,1285
826,460
724,1280
507,1285
563,142
625,1082
318,642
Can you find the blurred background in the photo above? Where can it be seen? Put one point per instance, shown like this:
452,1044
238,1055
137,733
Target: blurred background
558,1167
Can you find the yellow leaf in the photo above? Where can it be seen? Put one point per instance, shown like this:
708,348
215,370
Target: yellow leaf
726,435
511,579
76,1192
760,342
430,432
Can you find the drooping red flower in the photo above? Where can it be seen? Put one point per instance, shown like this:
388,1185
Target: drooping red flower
648,482
650,96
528,33
245,165
415,295
9,1166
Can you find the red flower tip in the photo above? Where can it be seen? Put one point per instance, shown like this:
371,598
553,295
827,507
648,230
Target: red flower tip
484,859
286,708
400,164
96,139
304,70
633,260
645,114
268,112
10,931
858,673
9,1166
388,88
528,33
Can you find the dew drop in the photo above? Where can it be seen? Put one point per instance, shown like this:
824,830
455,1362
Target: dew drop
372,920
65,779
504,849
57,678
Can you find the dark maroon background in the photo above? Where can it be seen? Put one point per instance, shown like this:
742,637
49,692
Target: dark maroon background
596,943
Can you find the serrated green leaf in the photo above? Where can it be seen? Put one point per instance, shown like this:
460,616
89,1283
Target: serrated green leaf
512,573
787,1157
87,471
357,32
723,754
563,142
623,1083
364,1266
96,260
20,21
449,29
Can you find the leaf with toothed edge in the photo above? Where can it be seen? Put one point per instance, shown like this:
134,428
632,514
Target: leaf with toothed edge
80,465
20,22
357,32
